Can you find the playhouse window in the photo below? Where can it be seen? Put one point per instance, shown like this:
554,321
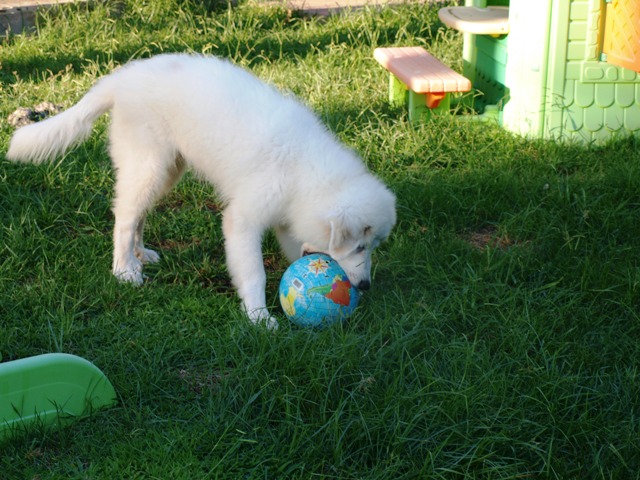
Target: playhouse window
622,34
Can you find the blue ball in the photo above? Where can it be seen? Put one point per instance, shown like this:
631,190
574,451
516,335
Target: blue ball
316,292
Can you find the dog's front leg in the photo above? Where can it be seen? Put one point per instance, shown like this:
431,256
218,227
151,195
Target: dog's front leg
243,246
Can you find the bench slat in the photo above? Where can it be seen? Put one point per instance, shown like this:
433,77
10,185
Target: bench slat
421,71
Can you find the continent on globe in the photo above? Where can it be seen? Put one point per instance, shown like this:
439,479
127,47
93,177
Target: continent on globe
338,292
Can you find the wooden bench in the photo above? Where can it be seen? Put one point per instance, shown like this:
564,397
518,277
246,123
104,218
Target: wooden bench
419,80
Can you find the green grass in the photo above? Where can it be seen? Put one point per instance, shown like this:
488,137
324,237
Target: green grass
501,338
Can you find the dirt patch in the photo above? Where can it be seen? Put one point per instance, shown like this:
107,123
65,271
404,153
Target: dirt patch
200,382
489,237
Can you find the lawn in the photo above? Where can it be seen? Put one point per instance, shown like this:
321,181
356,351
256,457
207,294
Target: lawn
501,338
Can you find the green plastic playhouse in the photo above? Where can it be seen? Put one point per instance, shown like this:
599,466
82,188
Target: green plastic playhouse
560,69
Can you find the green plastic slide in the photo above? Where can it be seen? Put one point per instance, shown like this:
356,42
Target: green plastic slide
50,389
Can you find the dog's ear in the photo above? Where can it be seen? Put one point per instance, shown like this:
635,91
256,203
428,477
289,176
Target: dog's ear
340,238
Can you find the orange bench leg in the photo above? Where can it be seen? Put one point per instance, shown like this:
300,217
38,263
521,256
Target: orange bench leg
433,99
419,109
420,105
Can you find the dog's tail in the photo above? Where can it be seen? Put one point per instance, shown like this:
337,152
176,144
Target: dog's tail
52,137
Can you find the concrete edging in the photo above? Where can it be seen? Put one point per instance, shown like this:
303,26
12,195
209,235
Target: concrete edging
18,16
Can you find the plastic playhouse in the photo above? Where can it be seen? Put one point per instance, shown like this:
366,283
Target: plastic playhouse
50,389
560,69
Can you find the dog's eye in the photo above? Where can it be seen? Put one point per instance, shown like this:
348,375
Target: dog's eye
360,248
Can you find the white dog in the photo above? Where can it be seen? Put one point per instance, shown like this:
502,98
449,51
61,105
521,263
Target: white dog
270,159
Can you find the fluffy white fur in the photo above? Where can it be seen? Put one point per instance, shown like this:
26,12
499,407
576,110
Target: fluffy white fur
272,162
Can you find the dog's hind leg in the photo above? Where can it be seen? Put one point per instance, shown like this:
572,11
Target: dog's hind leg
291,247
145,170
147,255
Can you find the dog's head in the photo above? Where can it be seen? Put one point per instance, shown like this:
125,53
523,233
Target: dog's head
361,219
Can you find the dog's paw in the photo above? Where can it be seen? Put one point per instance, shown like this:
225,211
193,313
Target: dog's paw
148,256
261,317
133,275
270,323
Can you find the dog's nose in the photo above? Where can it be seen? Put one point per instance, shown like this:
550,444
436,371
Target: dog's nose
364,285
